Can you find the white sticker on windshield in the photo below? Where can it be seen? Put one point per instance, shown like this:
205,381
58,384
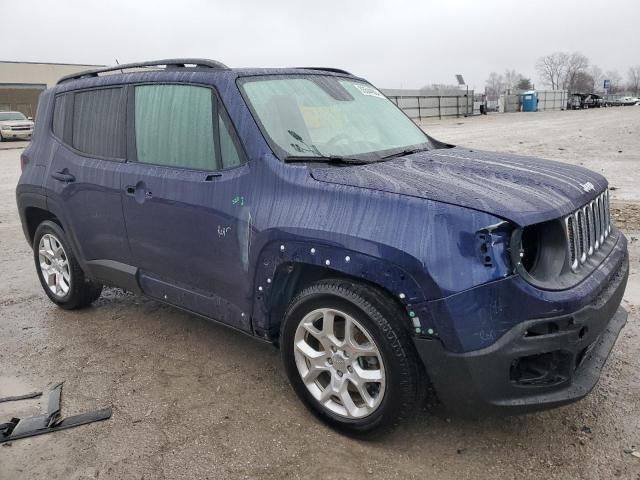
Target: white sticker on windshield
367,90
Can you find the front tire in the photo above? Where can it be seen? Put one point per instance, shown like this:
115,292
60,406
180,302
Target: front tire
349,358
60,274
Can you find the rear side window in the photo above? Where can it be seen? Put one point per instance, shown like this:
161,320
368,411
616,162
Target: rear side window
175,126
59,115
99,122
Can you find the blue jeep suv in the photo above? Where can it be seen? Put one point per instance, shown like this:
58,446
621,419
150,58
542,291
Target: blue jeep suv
302,207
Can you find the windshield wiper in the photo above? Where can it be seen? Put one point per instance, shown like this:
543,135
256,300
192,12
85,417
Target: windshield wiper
407,151
330,159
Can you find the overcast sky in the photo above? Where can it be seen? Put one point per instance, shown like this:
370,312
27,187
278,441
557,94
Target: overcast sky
394,44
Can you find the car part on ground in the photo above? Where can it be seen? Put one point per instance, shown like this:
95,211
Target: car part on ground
25,396
50,421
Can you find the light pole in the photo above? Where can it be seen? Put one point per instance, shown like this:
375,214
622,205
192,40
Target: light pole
461,82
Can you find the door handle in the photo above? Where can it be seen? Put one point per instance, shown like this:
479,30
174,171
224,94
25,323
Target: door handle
63,176
139,192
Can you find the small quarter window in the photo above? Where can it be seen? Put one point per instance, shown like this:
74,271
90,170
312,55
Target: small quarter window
231,157
59,114
174,126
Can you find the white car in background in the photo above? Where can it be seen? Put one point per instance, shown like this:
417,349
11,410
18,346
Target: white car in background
15,125
629,101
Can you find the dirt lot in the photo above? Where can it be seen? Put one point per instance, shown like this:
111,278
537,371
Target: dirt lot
195,400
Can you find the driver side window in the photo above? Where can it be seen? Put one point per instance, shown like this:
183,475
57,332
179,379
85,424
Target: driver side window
182,126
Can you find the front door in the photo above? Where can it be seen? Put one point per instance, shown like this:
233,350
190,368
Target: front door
186,240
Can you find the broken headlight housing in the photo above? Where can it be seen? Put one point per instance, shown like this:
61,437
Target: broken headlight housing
540,250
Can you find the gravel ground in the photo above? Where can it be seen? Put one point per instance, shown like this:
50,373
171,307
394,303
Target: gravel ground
192,399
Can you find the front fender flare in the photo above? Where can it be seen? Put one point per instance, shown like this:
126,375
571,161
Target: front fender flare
399,282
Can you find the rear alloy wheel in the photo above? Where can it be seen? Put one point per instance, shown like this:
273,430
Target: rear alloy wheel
60,275
349,357
54,265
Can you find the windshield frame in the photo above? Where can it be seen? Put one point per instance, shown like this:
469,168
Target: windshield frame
13,119
282,154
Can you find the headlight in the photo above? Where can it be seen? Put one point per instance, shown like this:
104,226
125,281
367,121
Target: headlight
5,127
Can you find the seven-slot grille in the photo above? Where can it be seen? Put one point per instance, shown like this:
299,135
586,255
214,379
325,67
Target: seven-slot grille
587,228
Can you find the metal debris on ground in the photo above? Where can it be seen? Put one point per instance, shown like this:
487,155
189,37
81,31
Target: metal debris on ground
26,396
50,421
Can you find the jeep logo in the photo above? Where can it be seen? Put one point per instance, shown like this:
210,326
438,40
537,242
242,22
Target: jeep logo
587,187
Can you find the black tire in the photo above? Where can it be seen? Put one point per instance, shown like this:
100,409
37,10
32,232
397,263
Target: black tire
406,381
82,291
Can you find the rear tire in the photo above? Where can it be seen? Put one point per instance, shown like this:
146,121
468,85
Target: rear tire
59,273
383,376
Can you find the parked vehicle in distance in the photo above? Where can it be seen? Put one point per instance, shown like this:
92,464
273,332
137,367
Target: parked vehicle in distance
620,100
584,100
302,207
15,125
627,101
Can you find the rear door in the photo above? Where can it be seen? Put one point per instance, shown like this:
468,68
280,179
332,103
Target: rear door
187,237
83,175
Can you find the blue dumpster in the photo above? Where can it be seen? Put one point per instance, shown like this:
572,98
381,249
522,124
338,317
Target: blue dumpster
529,101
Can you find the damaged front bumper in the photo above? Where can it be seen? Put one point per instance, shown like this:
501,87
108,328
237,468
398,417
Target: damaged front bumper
537,364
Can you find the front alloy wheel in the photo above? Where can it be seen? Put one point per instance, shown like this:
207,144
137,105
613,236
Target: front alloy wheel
349,356
339,363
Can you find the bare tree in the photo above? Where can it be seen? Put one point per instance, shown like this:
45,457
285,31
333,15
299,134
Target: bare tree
634,79
511,79
598,77
494,86
552,69
442,88
576,65
582,83
615,81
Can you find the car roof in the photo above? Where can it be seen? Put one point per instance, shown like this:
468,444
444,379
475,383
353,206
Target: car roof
194,65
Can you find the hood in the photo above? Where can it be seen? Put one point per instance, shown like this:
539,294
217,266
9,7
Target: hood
17,123
524,190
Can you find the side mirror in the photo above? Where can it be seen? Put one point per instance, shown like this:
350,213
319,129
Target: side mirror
30,118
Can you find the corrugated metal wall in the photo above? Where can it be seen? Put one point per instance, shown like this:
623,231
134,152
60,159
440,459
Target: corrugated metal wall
420,105
552,100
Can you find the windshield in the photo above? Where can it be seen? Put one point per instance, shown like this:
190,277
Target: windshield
12,116
315,115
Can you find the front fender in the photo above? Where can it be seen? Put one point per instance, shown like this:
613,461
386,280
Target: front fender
398,281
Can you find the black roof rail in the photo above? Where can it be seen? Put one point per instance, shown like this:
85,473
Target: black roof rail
327,69
173,63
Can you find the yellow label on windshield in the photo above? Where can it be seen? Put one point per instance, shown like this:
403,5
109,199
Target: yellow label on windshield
322,117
